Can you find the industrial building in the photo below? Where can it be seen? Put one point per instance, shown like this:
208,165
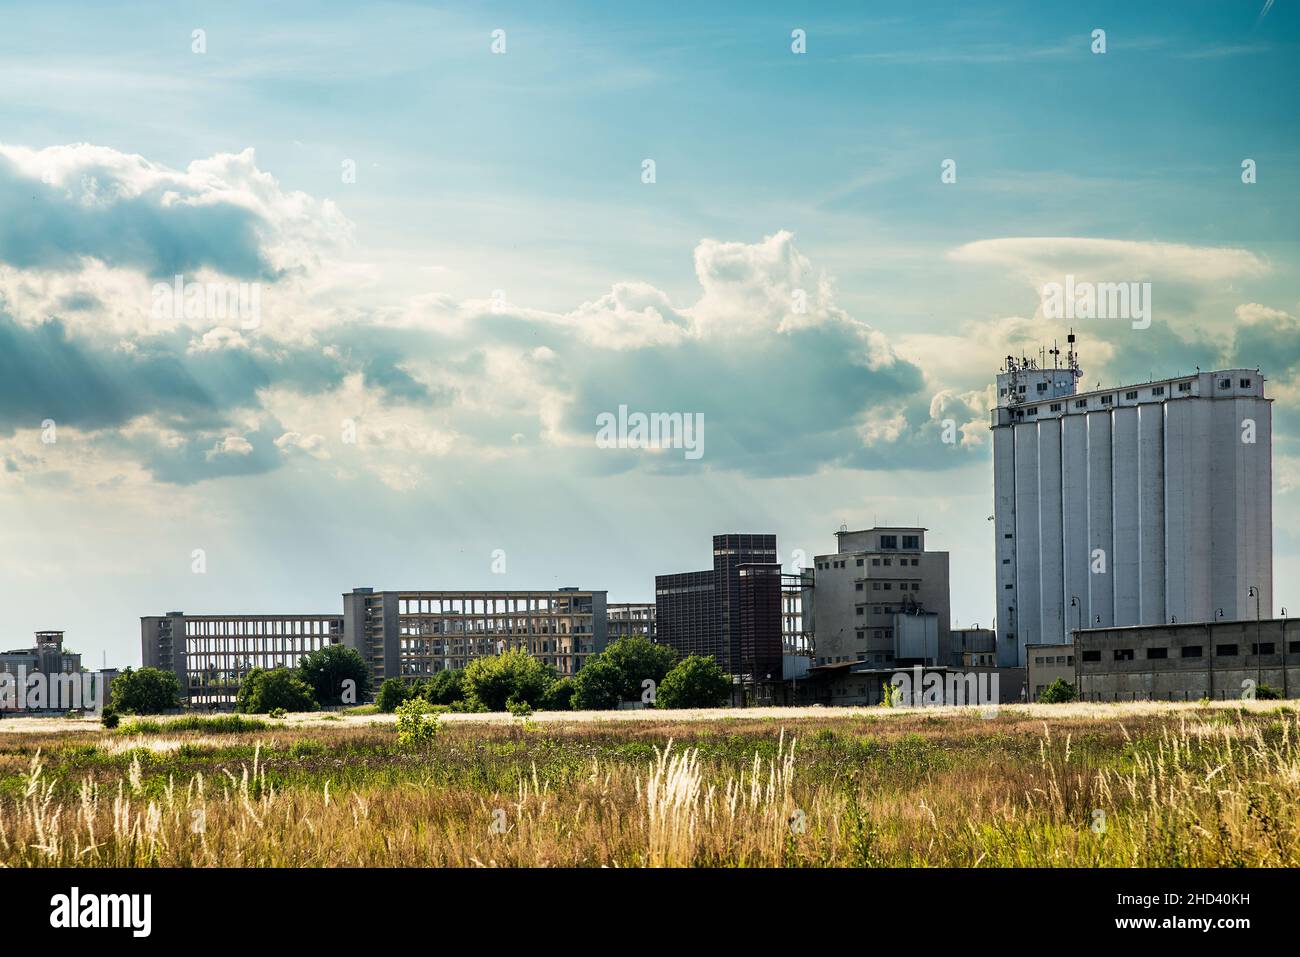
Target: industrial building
732,612
881,598
1044,664
415,634
1187,661
210,654
57,667
1137,505
630,620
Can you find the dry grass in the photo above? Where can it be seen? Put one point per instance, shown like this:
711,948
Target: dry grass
1174,785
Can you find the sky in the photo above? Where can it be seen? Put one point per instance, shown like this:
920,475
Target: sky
458,247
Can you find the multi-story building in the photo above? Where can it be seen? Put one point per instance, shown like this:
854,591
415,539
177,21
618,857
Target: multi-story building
630,619
867,590
1045,663
732,612
1142,504
210,654
415,634
47,657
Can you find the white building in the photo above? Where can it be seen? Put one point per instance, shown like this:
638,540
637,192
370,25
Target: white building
1137,505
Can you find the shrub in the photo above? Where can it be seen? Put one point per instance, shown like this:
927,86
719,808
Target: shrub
109,718
559,696
391,694
1267,693
514,674
638,659
264,690
520,709
598,686
416,725
277,712
695,682
445,687
1058,692
147,691
328,670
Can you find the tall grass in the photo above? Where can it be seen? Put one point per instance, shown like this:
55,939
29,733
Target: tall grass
1184,791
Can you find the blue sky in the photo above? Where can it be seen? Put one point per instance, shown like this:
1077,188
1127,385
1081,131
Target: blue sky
498,274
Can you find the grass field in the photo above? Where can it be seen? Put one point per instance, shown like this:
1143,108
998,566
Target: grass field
1082,785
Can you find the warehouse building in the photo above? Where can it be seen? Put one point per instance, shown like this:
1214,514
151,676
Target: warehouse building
1135,505
1187,662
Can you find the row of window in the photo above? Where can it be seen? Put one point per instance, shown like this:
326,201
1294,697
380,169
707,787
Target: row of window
1129,396
875,563
1195,651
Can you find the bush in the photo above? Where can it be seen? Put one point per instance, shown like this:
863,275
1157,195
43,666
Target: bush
445,687
598,686
515,674
520,709
416,725
264,690
109,718
1267,693
1059,691
147,691
695,682
559,696
638,658
328,670
277,712
391,694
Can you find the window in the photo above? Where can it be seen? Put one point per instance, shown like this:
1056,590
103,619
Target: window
916,562
1245,383
1226,651
1034,410
859,563
889,561
858,587
1002,392
912,541
1158,390
1107,399
875,586
1262,649
1131,395
1042,387
1006,587
859,610
1192,651
1081,403
1157,653
1007,535
1055,407
889,541
1021,389
1092,656
1225,383
875,562
1184,387
888,586
1123,654
1293,647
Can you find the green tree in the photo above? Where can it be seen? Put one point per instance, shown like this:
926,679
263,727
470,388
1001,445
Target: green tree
1058,692
147,691
695,682
559,696
327,671
598,686
391,693
416,726
638,659
263,690
514,675
445,687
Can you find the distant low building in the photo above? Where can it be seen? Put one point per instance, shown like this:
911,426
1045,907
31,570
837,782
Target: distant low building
1188,661
1045,664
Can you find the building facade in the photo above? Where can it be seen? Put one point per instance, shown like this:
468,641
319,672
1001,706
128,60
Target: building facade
1141,504
868,588
1188,661
732,612
630,620
210,654
1045,663
415,634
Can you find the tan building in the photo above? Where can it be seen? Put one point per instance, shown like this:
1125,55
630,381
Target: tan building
1045,664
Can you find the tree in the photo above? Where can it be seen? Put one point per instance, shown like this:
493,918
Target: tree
638,659
695,682
445,687
559,696
147,691
1058,692
391,693
327,669
416,727
513,675
598,686
264,690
